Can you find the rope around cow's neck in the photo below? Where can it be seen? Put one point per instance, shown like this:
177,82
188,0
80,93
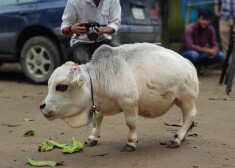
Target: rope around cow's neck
93,108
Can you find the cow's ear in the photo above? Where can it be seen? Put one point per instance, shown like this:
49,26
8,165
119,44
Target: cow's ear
75,74
79,79
74,67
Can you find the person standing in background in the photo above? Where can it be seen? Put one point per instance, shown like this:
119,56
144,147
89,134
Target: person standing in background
225,11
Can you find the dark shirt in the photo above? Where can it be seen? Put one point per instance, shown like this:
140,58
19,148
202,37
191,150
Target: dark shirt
195,37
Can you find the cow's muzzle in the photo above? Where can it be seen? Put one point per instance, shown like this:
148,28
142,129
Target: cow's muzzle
50,115
42,106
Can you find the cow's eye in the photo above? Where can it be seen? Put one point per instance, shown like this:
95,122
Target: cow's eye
61,88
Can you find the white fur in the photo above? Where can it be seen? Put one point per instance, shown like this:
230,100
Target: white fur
137,79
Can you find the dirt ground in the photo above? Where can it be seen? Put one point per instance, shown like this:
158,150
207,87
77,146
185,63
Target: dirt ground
210,144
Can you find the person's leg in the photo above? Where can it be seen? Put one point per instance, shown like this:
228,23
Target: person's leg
198,59
202,59
81,53
215,60
111,43
225,33
191,55
94,46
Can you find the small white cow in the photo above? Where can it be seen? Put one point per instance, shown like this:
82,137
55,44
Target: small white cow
136,79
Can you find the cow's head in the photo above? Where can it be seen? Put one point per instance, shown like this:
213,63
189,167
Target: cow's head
68,96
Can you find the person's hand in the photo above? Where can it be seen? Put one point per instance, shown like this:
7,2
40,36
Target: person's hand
212,53
102,30
99,30
79,28
217,14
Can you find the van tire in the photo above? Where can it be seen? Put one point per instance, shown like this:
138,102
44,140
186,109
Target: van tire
39,57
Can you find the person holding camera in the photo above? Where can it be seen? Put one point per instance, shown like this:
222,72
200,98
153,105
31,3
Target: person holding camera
91,24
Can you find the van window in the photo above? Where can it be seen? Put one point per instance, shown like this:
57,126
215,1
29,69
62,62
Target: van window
26,0
7,2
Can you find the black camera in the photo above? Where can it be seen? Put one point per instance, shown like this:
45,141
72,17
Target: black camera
91,31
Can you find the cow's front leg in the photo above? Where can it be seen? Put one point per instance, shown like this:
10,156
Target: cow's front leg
95,133
131,116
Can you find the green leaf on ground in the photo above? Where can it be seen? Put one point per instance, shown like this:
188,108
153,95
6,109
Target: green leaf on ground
42,163
56,144
29,133
50,144
45,146
77,146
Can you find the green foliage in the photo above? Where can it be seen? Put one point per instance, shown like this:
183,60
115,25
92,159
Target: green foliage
42,163
29,133
77,146
50,144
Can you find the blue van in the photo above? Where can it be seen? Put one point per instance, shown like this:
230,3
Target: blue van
30,32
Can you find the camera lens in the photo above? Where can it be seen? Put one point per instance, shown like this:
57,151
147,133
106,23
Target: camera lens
92,34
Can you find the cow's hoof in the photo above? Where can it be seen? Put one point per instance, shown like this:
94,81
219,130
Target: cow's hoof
90,143
128,148
173,144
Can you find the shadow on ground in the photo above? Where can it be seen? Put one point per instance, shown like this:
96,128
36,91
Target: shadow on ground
12,73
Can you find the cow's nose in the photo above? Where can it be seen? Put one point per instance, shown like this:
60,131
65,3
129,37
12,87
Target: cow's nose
42,106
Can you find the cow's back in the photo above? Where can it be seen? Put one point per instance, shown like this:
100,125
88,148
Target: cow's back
158,64
160,75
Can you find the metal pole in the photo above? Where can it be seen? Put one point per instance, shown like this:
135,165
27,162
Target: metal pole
231,70
224,75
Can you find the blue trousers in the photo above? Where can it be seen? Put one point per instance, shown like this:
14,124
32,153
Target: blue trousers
203,59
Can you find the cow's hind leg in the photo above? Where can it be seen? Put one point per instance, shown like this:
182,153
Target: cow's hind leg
131,116
131,121
189,112
95,133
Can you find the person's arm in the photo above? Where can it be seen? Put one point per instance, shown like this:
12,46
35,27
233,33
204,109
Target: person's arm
108,30
213,50
69,18
210,51
217,8
114,19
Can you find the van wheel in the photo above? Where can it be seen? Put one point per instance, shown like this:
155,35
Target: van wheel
39,57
